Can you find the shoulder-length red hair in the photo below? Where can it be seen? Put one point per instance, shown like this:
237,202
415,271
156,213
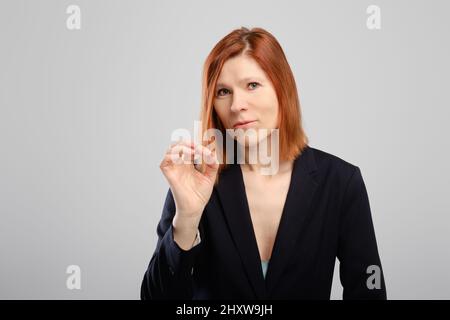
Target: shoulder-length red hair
262,46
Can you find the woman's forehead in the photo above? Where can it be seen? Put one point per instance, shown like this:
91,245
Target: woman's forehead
240,70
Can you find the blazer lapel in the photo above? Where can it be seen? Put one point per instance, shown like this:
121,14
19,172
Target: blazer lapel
295,216
231,191
232,196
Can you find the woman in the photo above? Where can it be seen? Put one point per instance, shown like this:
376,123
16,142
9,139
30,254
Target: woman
227,231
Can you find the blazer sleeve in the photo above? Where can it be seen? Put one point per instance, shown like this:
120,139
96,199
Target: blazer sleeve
360,271
170,272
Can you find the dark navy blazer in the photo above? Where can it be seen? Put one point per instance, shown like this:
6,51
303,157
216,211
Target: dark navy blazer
326,216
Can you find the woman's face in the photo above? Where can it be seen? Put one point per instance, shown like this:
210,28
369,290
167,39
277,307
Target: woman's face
244,93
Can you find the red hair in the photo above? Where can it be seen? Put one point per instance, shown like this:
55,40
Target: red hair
262,46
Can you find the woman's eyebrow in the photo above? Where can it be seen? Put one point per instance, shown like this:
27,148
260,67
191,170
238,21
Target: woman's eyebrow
246,79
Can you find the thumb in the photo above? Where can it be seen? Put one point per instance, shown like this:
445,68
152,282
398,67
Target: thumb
211,165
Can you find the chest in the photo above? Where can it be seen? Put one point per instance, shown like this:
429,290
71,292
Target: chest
266,202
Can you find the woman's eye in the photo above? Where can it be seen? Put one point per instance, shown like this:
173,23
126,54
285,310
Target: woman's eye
218,92
256,84
253,85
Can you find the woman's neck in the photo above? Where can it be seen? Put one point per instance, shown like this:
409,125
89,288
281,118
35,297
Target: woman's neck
285,166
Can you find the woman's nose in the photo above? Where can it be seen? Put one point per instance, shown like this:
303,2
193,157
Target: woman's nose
238,103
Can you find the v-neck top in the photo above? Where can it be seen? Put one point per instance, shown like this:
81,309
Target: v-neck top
264,265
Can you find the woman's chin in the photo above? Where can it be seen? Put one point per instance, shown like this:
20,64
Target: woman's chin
249,142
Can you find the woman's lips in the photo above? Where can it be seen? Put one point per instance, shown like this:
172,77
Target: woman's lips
245,125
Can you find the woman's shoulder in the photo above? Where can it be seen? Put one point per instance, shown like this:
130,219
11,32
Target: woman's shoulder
333,165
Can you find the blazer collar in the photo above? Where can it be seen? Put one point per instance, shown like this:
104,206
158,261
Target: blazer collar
231,191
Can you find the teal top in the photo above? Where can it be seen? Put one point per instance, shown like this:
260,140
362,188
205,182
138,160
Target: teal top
264,265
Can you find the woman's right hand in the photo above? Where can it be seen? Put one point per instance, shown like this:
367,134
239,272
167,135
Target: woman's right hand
190,187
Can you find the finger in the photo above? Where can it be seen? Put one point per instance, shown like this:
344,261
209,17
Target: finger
166,161
187,143
212,160
202,150
209,156
181,154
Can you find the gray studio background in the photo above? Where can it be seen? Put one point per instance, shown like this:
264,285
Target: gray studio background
86,116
